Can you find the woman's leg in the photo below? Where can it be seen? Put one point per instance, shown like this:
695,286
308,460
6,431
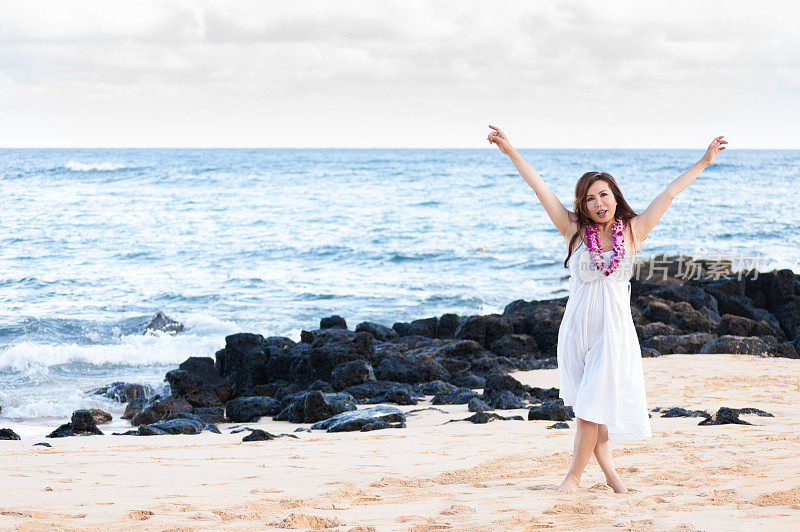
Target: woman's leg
585,441
602,451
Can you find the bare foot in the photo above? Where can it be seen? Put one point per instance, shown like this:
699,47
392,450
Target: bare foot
616,485
570,484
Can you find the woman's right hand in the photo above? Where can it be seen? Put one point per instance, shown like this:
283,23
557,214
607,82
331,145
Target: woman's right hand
499,138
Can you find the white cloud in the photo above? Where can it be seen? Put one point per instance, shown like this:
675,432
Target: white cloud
378,73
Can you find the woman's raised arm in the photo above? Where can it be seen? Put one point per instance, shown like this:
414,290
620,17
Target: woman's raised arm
642,224
558,214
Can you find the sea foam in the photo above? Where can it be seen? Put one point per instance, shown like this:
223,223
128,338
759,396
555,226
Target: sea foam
76,166
152,349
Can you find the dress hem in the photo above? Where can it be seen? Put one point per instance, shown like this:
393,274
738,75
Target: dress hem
613,436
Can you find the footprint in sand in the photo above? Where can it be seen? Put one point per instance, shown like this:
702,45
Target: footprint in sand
312,522
789,498
456,509
139,515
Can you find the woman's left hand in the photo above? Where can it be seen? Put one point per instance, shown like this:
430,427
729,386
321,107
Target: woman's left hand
714,148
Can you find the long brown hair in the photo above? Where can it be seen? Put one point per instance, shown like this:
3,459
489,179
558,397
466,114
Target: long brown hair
624,210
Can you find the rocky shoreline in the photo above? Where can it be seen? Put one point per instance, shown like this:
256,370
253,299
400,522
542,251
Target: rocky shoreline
324,378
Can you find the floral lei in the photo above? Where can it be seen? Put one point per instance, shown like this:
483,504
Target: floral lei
618,240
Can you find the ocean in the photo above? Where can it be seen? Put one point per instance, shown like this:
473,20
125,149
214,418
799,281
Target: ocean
96,241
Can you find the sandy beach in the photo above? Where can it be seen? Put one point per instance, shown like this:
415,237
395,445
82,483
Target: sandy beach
436,476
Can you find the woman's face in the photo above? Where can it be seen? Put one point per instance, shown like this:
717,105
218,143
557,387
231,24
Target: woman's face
600,199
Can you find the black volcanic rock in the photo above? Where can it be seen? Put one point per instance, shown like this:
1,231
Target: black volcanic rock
452,365
541,394
434,387
316,406
784,349
354,420
679,343
82,424
322,386
396,396
497,382
743,345
424,327
553,410
330,348
278,390
124,392
259,435
182,423
159,408
378,425
788,314
209,414
133,408
379,332
649,352
351,373
460,396
516,345
198,381
243,362
250,360
163,323
8,434
655,309
465,350
467,379
679,314
694,295
504,400
484,329
741,326
756,411
725,416
730,302
407,344
504,392
477,404
545,328
416,368
163,428
689,319
540,319
373,391
486,417
333,322
682,412
100,416
244,409
447,326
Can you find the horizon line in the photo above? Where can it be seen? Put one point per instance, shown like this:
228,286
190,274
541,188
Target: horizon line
357,148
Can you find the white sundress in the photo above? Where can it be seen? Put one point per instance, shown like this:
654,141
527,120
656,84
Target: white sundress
599,358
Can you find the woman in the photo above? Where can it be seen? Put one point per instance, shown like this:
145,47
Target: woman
599,358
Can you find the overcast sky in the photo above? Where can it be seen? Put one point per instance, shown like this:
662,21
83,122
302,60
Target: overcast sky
399,74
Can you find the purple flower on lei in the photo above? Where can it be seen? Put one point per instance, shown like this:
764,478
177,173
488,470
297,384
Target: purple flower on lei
618,240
